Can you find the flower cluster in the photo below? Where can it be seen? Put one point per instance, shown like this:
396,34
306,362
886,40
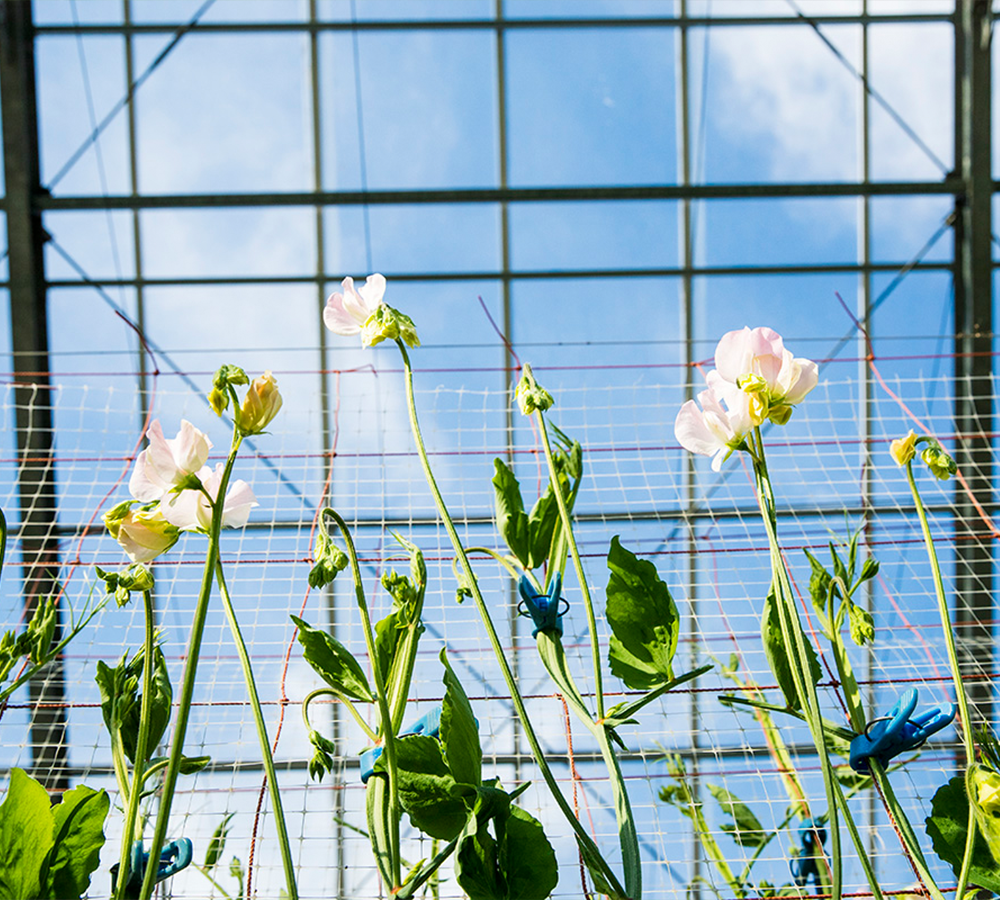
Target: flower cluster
176,491
755,380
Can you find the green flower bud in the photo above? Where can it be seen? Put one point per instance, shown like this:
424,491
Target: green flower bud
530,395
939,462
226,377
322,759
330,561
387,323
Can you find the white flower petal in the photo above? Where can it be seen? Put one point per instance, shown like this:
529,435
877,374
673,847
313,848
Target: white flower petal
693,433
338,319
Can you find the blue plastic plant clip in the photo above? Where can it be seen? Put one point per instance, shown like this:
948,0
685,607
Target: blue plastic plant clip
429,724
899,731
174,856
805,866
544,609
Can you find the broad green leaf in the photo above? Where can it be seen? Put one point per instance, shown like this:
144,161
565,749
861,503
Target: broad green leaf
217,845
26,830
531,868
541,524
459,732
946,827
388,632
476,864
77,840
512,521
778,655
159,710
333,662
643,618
745,828
427,790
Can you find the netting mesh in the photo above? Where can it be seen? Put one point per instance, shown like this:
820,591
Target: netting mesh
343,439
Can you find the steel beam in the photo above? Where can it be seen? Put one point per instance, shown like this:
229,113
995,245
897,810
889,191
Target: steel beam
974,545
32,393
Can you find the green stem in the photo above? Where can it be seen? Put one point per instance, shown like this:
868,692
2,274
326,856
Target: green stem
956,675
190,671
329,692
583,838
567,523
508,564
141,749
265,743
385,717
794,639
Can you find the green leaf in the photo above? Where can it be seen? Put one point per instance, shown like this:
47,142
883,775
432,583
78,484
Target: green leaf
531,868
159,710
388,632
541,524
26,830
476,863
41,630
512,521
869,569
778,655
459,731
333,662
427,790
217,845
643,618
745,828
77,840
819,586
862,624
946,827
839,569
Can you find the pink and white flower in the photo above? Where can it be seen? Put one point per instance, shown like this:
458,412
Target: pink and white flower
165,463
756,361
190,510
347,312
715,430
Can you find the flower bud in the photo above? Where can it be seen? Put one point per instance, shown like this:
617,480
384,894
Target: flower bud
939,462
260,406
530,395
387,323
904,449
226,376
143,534
330,561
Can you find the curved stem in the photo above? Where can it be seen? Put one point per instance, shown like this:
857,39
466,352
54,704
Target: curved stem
529,732
567,523
956,674
265,743
190,671
141,750
329,692
385,717
508,564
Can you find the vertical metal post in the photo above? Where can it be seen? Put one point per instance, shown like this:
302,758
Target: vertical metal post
330,596
690,475
508,356
32,393
973,276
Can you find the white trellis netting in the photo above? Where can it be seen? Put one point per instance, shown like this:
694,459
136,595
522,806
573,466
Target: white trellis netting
703,534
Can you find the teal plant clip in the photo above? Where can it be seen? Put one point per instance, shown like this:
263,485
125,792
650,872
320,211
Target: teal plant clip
805,866
546,610
429,724
174,856
899,731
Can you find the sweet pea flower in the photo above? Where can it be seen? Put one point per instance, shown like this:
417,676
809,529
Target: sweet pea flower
190,510
166,463
143,533
756,361
347,313
362,311
715,430
903,449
